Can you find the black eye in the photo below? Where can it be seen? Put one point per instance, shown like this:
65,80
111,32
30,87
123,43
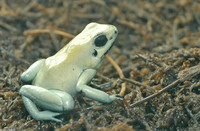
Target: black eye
100,40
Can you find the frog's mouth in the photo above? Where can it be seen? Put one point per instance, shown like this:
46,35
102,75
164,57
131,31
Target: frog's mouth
108,49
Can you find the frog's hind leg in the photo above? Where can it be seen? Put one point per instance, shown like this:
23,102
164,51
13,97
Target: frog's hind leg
32,71
53,100
39,115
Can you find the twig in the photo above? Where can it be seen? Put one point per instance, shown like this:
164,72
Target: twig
148,60
56,31
29,6
135,82
8,27
189,73
55,42
195,16
190,114
82,114
86,16
119,70
194,85
126,107
127,69
14,57
29,39
160,21
166,69
184,75
104,77
131,25
100,2
156,94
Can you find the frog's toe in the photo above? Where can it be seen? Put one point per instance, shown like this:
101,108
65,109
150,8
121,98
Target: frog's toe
116,97
56,120
119,98
48,115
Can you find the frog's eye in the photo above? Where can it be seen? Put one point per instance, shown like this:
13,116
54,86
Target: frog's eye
100,40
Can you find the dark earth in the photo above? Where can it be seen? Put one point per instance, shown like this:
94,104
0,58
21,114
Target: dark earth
155,62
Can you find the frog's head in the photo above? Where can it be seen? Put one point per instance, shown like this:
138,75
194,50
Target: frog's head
100,39
89,47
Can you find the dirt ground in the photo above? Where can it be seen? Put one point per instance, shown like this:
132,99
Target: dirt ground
153,65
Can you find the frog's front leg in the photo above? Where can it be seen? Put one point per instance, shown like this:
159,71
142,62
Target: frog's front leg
92,93
52,100
32,71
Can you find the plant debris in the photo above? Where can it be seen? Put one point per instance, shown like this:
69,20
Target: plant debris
154,63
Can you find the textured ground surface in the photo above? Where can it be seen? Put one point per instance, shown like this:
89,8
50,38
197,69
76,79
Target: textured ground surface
158,44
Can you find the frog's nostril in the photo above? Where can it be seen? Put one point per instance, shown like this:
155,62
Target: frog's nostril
116,31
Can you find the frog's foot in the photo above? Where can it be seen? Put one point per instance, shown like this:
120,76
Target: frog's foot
115,97
39,115
111,98
51,100
47,115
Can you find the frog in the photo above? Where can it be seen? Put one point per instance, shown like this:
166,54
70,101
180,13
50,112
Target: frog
53,82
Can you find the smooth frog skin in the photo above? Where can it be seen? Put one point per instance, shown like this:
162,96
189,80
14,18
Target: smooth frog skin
58,78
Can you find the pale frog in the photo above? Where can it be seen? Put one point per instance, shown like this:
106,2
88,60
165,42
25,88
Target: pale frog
58,78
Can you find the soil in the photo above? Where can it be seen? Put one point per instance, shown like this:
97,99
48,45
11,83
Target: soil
153,65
